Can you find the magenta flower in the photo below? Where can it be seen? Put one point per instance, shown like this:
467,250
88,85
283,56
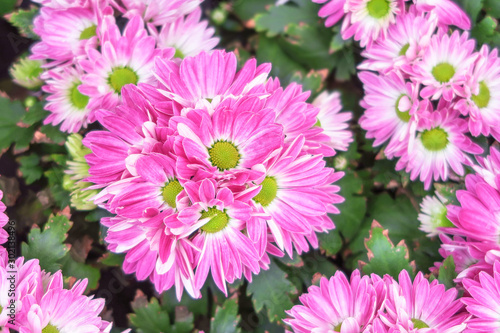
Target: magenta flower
448,12
333,11
445,66
421,306
489,168
432,215
339,305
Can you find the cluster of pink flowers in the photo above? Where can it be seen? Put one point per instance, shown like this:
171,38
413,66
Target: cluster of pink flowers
211,169
426,88
88,59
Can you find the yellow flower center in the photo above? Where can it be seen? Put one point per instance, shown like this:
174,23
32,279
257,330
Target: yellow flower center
443,72
224,155
417,323
121,76
268,191
378,8
50,329
219,220
483,98
435,139
89,32
170,192
403,115
78,100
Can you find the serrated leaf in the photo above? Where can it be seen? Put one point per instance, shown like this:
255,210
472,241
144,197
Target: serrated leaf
271,290
447,273
226,318
484,31
48,245
35,114
78,270
345,64
150,318
30,168
330,242
12,112
313,81
53,133
383,256
23,21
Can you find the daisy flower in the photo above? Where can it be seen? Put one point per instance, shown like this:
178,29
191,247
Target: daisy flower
124,59
64,34
405,42
483,103
297,195
367,20
448,12
335,124
422,306
332,10
445,66
66,104
159,12
336,305
390,103
438,148
188,35
484,301
433,215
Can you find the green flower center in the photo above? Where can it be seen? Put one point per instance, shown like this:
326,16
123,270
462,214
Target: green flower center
78,100
219,220
224,155
417,323
267,192
483,98
170,192
121,76
378,8
443,72
89,32
403,115
318,123
440,220
337,328
178,54
404,49
50,329
435,139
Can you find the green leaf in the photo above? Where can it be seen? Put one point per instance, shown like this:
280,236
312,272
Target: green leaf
23,21
447,273
54,133
10,132
112,259
226,318
313,81
383,256
330,242
6,6
79,270
35,114
150,317
30,168
272,290
55,177
247,9
345,64
48,245
472,7
492,7
484,31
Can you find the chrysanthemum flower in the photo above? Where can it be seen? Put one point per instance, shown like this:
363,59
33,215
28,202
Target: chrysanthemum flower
123,59
297,195
335,124
482,105
367,20
64,34
188,35
489,168
333,11
68,106
422,306
405,42
390,103
433,215
336,305
448,12
437,148
159,12
484,301
3,221
445,66
26,73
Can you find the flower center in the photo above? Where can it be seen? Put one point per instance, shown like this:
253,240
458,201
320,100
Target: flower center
443,72
89,32
170,192
121,76
440,219
178,54
404,49
318,123
483,98
219,220
78,100
403,115
50,329
378,8
435,139
224,155
417,323
337,328
267,192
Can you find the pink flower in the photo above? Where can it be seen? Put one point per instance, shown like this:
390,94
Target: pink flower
448,12
124,59
390,104
3,221
63,4
432,215
159,12
338,305
489,168
188,35
439,147
484,301
405,43
421,306
445,66
333,11
68,106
